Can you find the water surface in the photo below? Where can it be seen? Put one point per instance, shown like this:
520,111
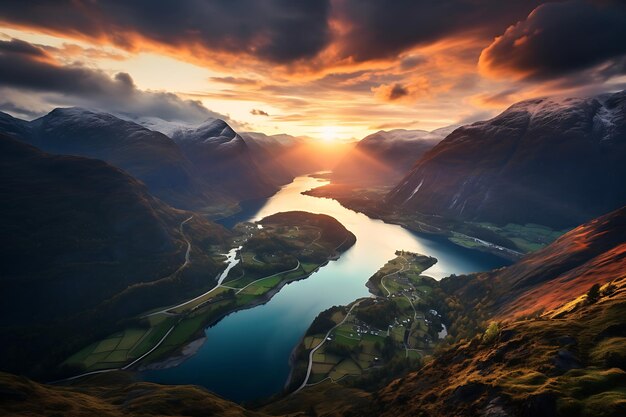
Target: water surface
246,355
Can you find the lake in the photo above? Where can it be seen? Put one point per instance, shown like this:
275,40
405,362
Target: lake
246,355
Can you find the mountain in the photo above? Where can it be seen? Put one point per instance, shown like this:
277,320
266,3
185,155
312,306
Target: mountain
83,246
556,162
385,156
147,155
224,159
268,151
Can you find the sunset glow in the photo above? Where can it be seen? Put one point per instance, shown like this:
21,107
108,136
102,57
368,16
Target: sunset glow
271,80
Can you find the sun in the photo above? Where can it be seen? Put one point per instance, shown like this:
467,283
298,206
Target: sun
329,133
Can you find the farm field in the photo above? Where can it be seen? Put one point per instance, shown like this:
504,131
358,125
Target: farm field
396,324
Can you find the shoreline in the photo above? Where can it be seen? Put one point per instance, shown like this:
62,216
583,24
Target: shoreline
179,353
484,246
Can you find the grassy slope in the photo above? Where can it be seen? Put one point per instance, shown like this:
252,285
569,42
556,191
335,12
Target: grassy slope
111,395
571,365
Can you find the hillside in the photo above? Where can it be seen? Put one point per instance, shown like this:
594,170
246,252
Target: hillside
555,162
111,395
383,157
564,363
81,239
593,253
149,156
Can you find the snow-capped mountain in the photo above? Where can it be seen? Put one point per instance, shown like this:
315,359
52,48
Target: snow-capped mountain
551,161
223,158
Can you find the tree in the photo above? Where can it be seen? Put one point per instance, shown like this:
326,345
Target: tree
593,294
492,332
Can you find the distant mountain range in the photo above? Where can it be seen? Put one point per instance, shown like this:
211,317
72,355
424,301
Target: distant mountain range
147,155
384,157
557,162
192,167
85,245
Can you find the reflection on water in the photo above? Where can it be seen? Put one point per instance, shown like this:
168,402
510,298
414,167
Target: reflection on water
246,355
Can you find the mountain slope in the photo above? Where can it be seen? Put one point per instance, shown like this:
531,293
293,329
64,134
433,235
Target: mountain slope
84,244
147,155
385,156
267,152
554,348
593,253
553,162
224,160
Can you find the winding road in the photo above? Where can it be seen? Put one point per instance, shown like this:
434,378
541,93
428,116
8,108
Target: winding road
390,274
270,276
312,352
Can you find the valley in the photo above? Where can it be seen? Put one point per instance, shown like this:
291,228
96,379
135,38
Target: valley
273,252
248,351
330,208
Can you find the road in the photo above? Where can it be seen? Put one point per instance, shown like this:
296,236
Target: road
270,276
393,273
312,352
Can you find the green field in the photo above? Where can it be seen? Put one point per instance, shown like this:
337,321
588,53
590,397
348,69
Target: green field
373,334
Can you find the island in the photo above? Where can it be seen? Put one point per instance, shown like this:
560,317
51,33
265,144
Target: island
266,256
396,327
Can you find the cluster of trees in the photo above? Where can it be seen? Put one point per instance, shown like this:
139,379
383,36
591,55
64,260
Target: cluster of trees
378,314
323,323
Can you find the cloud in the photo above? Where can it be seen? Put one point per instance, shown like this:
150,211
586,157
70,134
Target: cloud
27,67
559,39
395,125
496,100
257,112
374,29
234,80
273,30
415,88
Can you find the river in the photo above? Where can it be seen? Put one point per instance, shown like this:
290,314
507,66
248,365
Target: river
246,355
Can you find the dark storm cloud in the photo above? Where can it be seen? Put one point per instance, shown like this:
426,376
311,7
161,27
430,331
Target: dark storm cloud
274,30
26,67
381,29
562,38
17,46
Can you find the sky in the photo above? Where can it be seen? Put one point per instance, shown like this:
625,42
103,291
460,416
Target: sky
328,69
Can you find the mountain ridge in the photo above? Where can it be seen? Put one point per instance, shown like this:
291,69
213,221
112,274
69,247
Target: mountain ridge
547,161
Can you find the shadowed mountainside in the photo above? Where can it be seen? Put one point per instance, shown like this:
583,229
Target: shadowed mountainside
147,155
224,160
556,162
85,245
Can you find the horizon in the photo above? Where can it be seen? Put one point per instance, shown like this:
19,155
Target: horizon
331,70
